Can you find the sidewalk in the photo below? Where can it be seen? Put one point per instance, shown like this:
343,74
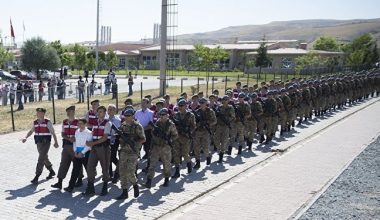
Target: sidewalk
22,200
282,187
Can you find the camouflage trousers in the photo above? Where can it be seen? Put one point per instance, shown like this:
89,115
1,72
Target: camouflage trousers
201,142
160,151
268,123
250,129
292,115
283,119
275,123
237,132
127,168
181,149
221,137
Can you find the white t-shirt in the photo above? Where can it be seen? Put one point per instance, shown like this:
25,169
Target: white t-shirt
80,140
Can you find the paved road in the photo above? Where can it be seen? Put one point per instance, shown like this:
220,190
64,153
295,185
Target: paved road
22,200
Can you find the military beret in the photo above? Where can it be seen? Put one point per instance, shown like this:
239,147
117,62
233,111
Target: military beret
241,95
184,94
181,102
129,112
41,110
101,107
225,98
283,90
95,101
270,93
166,96
211,96
163,111
160,102
129,107
254,95
203,100
194,96
71,108
128,100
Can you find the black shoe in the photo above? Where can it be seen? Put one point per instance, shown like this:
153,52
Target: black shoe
176,173
189,167
300,121
90,190
229,151
268,140
208,160
197,164
148,183
58,185
35,179
69,189
124,195
79,183
136,191
240,148
104,189
281,132
220,158
249,145
262,139
115,177
288,128
145,170
51,174
293,123
166,183
215,148
145,157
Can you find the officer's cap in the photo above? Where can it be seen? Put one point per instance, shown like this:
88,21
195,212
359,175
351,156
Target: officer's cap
94,101
194,96
41,110
70,108
160,102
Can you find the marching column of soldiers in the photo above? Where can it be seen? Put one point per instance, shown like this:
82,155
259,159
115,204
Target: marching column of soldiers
190,129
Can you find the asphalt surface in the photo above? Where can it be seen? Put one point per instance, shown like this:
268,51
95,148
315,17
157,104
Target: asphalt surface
356,192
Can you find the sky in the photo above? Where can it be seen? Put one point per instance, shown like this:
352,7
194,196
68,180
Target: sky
75,20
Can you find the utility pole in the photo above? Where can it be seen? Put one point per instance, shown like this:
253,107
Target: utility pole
163,47
97,37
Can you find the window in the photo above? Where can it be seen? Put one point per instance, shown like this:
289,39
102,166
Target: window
122,62
287,63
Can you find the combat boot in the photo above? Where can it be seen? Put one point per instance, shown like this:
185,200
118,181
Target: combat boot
281,132
115,177
197,164
124,195
166,182
51,174
229,151
240,148
176,173
148,183
70,188
300,121
189,167
136,191
58,185
208,160
35,179
293,124
104,189
249,145
288,128
262,139
79,183
220,158
90,190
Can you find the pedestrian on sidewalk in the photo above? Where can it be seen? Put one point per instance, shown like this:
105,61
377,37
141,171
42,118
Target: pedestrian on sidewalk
43,131
12,93
4,94
19,92
81,85
41,92
130,84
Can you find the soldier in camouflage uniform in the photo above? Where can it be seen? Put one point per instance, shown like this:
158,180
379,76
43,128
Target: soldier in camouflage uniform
225,114
270,107
185,124
131,139
163,134
254,121
294,105
242,113
284,115
305,103
205,120
276,116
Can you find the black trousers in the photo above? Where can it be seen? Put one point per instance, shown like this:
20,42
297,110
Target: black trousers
148,136
114,155
78,163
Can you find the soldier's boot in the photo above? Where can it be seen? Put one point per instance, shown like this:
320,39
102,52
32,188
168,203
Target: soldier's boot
240,148
262,139
282,131
220,158
136,191
148,183
79,183
229,150
208,160
115,177
145,170
288,128
249,145
189,167
293,123
90,190
197,164
166,182
176,173
104,189
124,195
51,173
110,171
58,185
35,179
269,138
70,187
300,121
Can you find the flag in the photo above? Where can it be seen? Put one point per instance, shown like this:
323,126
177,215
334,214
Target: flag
12,31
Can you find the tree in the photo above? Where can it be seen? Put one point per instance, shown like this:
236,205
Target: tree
311,59
5,57
205,57
111,59
90,63
62,51
362,51
79,56
37,55
327,44
262,58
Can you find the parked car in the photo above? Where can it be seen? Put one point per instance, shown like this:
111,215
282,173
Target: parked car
45,74
22,75
7,76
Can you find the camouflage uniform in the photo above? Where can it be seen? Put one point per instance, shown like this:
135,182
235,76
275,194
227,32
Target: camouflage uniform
254,121
129,154
241,111
287,104
270,107
222,129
